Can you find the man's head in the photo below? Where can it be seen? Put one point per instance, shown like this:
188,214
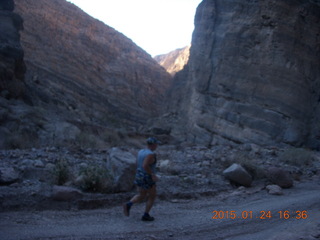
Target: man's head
152,143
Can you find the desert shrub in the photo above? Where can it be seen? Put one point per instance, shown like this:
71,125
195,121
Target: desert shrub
114,138
15,141
61,171
86,140
21,139
296,156
95,179
251,165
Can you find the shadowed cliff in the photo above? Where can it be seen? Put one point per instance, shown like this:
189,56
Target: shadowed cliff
253,74
84,82
12,68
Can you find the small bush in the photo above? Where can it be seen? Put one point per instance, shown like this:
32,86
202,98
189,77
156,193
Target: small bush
95,179
21,139
86,140
251,165
296,156
61,171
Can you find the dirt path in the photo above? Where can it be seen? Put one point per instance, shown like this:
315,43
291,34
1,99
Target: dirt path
180,219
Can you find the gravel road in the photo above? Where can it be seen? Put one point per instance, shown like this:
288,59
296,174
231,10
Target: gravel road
181,219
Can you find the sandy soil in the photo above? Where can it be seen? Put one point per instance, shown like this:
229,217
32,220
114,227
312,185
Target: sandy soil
179,219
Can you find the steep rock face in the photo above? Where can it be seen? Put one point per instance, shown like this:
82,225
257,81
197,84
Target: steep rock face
84,80
253,74
59,38
174,61
12,68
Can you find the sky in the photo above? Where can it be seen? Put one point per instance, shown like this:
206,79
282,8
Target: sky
157,26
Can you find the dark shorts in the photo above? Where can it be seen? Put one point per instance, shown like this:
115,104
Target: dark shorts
143,180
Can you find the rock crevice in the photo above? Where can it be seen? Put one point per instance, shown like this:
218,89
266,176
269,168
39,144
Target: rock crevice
12,66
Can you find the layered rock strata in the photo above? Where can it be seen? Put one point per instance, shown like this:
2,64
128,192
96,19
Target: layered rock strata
253,74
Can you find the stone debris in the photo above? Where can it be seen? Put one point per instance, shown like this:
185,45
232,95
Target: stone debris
28,176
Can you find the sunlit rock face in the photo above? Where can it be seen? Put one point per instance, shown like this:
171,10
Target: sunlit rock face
12,68
174,61
253,74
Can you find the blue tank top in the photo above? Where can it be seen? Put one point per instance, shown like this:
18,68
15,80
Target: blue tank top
141,156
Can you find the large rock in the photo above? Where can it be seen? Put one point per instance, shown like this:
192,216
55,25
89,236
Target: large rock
8,176
237,174
122,166
62,193
279,177
253,75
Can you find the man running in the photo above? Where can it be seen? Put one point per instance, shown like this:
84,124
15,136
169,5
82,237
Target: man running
145,179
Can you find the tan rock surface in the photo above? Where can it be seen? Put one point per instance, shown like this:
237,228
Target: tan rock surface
174,61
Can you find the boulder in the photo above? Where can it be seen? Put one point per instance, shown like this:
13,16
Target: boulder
279,177
8,176
236,173
274,190
62,193
122,166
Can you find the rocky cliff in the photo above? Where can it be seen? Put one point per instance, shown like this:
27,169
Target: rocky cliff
174,61
61,39
12,68
253,74
84,79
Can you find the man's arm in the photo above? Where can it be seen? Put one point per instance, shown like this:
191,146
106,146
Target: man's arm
146,165
147,162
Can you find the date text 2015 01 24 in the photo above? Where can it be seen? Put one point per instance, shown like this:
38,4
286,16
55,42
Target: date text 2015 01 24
263,215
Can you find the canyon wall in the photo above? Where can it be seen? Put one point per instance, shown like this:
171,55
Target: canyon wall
63,42
253,74
84,84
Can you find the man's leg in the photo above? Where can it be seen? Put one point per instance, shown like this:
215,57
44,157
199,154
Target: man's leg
152,196
152,193
137,198
140,196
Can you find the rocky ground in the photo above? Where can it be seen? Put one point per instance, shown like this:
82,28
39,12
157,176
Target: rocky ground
191,187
